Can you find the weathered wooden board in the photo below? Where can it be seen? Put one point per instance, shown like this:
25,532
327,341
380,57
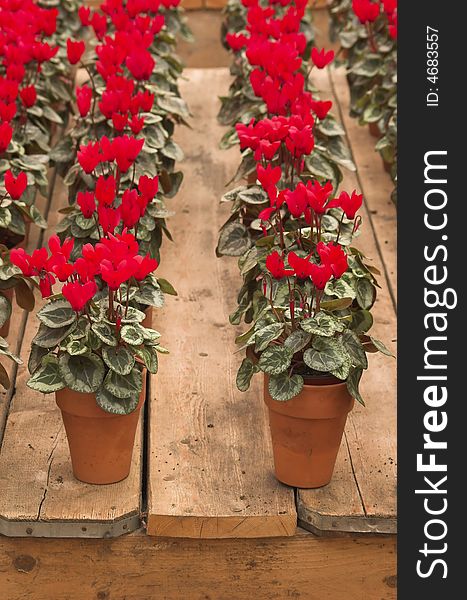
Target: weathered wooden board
210,461
138,567
40,496
362,494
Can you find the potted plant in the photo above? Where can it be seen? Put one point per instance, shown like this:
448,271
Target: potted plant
91,348
138,98
307,291
309,335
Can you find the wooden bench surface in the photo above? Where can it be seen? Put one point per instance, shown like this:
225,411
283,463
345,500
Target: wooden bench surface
210,470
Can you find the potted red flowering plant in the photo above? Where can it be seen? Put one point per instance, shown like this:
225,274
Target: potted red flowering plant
92,349
130,98
307,292
34,85
310,319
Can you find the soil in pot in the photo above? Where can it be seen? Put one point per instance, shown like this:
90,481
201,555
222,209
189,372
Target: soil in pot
101,444
307,431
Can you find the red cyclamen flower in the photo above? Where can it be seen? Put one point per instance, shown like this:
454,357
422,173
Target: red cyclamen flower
74,50
83,99
15,186
321,58
28,96
276,266
79,294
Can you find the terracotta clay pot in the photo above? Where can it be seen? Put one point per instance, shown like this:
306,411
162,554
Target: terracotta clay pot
307,432
387,166
101,444
374,130
5,328
252,177
147,321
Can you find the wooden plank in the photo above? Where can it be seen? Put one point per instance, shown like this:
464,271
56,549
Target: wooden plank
362,494
40,496
137,567
210,459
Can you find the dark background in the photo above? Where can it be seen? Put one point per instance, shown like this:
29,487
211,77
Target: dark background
421,129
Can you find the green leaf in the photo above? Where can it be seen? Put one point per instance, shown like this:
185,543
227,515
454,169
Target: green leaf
340,288
366,293
5,309
339,304
150,295
381,347
234,240
105,332
297,340
76,347
166,287
267,334
275,360
132,334
372,113
326,355
353,382
4,378
47,378
124,386
368,67
51,115
63,152
362,321
5,217
283,388
37,217
120,359
322,324
342,372
83,373
35,357
355,350
117,406
339,152
46,337
57,313
133,315
148,355
173,105
253,195
330,127
24,295
245,372
173,151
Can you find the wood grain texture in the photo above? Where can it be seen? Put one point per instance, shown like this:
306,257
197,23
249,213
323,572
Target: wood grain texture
36,480
210,460
362,494
137,567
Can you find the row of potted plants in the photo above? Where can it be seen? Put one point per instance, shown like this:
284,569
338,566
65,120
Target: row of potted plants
243,104
95,342
307,290
35,91
367,32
